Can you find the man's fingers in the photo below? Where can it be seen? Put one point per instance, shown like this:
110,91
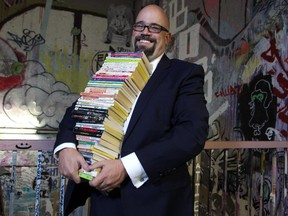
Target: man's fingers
95,166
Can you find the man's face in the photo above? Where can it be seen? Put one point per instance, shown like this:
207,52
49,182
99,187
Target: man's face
152,44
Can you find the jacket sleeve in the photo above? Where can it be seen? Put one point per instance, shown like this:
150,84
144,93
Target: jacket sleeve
65,131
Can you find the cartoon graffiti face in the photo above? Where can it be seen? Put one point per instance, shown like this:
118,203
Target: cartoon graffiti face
120,20
261,98
257,99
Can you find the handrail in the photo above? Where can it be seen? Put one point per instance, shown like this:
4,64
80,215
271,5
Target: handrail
47,144
245,144
43,145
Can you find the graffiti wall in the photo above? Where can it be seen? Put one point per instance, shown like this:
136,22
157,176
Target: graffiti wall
242,46
33,186
47,57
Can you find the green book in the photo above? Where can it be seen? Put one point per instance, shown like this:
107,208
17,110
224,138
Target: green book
88,175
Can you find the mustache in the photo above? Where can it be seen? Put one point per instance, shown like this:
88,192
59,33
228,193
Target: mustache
145,37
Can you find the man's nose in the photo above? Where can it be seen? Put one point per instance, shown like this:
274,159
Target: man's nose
146,29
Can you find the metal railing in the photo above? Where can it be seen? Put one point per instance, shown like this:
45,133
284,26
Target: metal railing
219,174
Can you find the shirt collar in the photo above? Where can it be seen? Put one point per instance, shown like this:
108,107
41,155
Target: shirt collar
155,62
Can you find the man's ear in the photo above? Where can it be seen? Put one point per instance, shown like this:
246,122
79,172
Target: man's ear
168,38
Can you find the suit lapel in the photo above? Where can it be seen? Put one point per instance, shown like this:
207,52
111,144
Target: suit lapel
155,80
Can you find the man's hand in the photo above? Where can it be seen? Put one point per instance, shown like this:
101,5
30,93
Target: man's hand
112,174
70,161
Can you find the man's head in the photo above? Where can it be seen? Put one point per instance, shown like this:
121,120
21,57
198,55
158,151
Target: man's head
151,31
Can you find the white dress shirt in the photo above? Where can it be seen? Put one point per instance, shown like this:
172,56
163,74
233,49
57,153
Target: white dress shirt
131,162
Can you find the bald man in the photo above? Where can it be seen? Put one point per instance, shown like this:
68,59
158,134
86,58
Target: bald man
166,128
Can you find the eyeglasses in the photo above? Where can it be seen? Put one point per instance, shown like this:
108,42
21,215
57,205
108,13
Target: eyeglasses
153,28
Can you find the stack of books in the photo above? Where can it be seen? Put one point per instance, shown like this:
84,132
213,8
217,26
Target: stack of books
105,104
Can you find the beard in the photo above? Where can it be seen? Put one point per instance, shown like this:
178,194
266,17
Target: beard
142,48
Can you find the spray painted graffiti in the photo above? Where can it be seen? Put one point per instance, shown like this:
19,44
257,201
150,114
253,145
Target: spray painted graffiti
234,49
33,99
119,26
228,91
259,108
273,56
28,41
261,99
246,79
27,181
11,66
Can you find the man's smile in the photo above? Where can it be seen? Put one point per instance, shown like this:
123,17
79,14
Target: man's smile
144,42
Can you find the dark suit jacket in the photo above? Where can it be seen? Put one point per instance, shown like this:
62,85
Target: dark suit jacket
168,127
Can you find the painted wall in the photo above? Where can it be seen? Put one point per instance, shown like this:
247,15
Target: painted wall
242,46
46,59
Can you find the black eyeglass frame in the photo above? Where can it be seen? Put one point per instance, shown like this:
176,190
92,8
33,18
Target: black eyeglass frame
149,27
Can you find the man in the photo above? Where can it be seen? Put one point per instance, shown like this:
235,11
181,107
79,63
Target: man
167,128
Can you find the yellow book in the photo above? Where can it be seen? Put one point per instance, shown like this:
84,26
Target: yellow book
122,111
122,98
107,154
138,80
105,149
112,113
97,157
132,86
114,128
110,146
143,71
111,139
128,91
146,63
